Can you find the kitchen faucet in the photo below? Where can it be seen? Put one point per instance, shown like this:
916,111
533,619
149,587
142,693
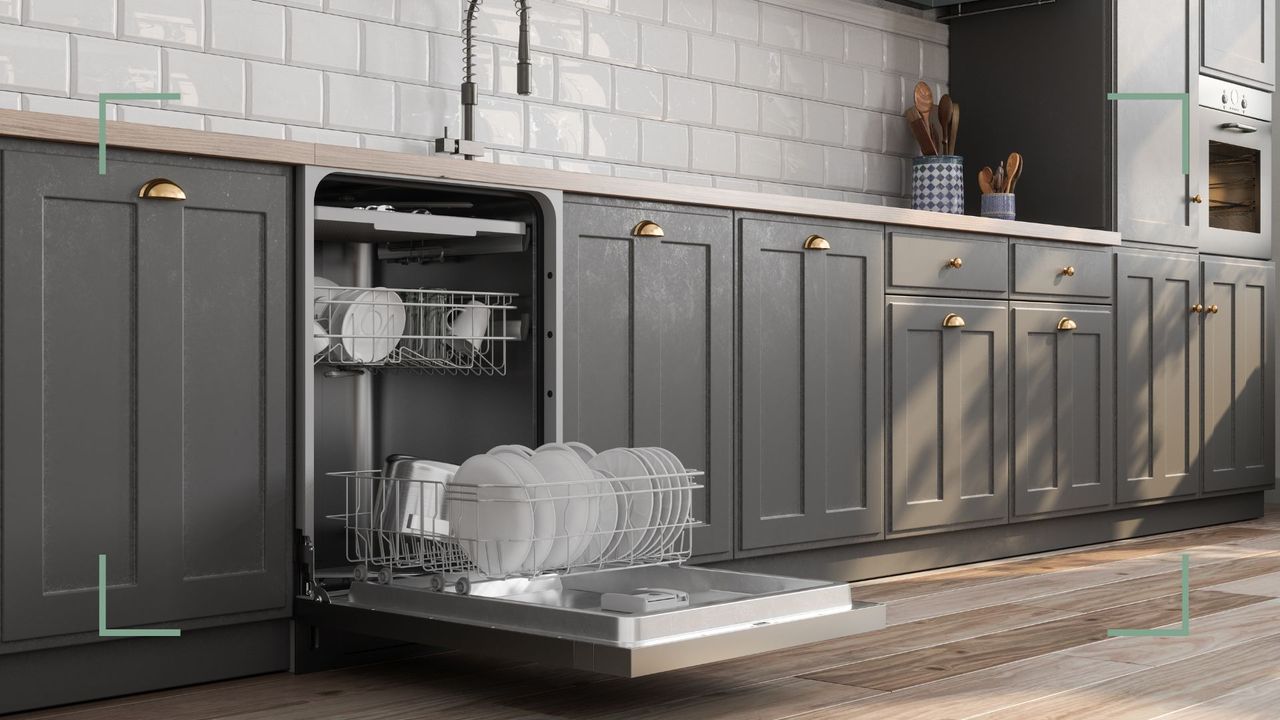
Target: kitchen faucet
467,146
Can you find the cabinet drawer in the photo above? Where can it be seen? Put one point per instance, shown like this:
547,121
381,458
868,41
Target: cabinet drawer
924,261
1075,272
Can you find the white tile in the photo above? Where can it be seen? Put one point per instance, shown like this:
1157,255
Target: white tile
635,172
497,21
321,40
593,4
10,11
525,160
35,60
395,53
446,60
695,14
780,27
664,48
864,46
96,17
902,54
555,130
171,22
612,37
689,100
739,184
865,129
884,173
10,100
781,115
737,108
396,145
482,66
248,29
500,122
684,178
236,126
759,67
321,136
384,10
286,94
897,201
824,36
824,194
782,189
715,151
555,27
583,166
110,66
431,14
738,18
361,104
542,72
759,157
425,112
714,58
802,76
307,4
647,9
66,106
863,198
843,84
845,168
664,144
936,60
637,92
824,123
803,163
613,137
898,139
209,83
582,82
884,91
165,118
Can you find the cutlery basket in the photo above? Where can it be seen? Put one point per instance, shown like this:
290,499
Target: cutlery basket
937,183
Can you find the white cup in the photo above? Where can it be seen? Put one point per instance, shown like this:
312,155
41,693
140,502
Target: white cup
469,326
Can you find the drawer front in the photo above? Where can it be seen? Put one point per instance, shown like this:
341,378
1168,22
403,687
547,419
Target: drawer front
923,261
1075,272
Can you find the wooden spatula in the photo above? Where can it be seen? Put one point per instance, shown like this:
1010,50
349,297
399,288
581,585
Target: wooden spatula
924,105
920,129
1013,169
953,126
944,120
985,179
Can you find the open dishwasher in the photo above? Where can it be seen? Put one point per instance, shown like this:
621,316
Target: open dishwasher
429,334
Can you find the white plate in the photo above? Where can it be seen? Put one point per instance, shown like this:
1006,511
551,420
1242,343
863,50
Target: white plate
584,450
517,449
684,482
662,502
544,512
490,514
674,508
371,323
318,343
573,506
609,524
321,294
637,496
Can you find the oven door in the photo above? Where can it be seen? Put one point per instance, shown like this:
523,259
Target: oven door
1235,155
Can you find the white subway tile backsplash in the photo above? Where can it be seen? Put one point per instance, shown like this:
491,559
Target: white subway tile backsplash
395,53
93,17
613,137
824,37
781,27
802,75
759,157
884,91
583,166
865,129
647,9
542,70
593,4
823,123
738,18
208,83
383,10
824,194
286,94
936,60
582,82
388,143
739,184
321,40
665,49
664,144
170,22
500,122
759,67
525,160
555,27
246,28
898,139
112,66
323,137
902,55
737,109
844,168
166,118
695,14
638,92
714,58
781,115
446,60
10,100
66,106
683,178
431,14
34,60
361,104
864,46
10,11
884,174
425,112
782,189
496,21
802,163
715,151
237,126
689,101
612,37
555,130
636,172
843,84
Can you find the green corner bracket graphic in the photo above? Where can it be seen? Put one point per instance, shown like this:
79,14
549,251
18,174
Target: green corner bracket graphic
103,631
103,99
1182,631
1186,117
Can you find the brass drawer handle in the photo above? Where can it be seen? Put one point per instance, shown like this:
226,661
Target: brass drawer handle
816,242
1197,308
952,320
647,228
1212,309
1066,324
955,263
1197,199
1069,271
162,189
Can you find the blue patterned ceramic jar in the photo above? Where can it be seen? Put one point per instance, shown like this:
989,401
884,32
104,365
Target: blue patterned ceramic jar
999,205
937,183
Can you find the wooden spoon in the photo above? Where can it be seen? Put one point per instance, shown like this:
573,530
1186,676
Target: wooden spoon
1013,168
953,125
985,180
920,129
944,119
924,106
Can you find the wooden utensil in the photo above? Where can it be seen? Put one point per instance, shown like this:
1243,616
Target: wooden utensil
944,119
999,184
953,126
985,180
1014,165
935,129
920,129
924,105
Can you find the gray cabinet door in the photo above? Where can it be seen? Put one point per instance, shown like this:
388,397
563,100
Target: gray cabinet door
649,343
1238,392
948,412
1239,40
144,377
1158,381
1062,413
812,383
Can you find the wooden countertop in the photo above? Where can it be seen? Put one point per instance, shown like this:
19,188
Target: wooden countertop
25,124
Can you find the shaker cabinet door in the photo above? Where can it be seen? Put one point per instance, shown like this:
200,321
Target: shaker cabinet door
1158,380
1062,414
812,383
649,343
1238,392
1239,40
948,381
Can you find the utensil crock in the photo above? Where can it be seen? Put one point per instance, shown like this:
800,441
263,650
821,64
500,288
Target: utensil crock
999,205
937,183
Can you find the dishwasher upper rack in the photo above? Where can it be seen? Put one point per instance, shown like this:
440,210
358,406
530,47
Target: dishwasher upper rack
402,524
451,332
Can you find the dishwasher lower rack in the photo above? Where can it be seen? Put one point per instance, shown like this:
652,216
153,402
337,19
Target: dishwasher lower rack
458,534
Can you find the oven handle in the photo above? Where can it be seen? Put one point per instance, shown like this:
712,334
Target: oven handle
1238,126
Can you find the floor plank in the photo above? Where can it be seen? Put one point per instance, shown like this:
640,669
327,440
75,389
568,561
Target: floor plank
1208,633
1268,585
765,701
1259,701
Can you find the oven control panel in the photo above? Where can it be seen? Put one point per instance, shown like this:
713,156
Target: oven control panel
1235,99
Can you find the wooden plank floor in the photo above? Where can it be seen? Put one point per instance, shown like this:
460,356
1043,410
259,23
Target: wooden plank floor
1023,638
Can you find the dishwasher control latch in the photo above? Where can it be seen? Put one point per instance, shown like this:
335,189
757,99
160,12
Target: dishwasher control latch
644,600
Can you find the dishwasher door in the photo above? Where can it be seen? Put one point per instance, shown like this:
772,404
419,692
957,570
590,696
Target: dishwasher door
558,620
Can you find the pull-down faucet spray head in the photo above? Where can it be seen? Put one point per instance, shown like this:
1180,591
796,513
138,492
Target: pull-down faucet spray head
466,145
524,68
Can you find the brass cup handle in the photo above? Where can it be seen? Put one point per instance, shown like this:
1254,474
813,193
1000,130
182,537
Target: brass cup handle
647,228
952,320
1066,324
162,189
1212,309
955,262
816,242
1197,308
1197,199
1069,271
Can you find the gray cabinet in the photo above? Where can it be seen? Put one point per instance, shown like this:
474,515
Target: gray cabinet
648,342
1238,40
1158,375
1063,376
1238,375
812,382
144,392
948,379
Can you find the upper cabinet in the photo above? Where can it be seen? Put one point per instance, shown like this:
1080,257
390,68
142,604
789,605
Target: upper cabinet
1238,40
